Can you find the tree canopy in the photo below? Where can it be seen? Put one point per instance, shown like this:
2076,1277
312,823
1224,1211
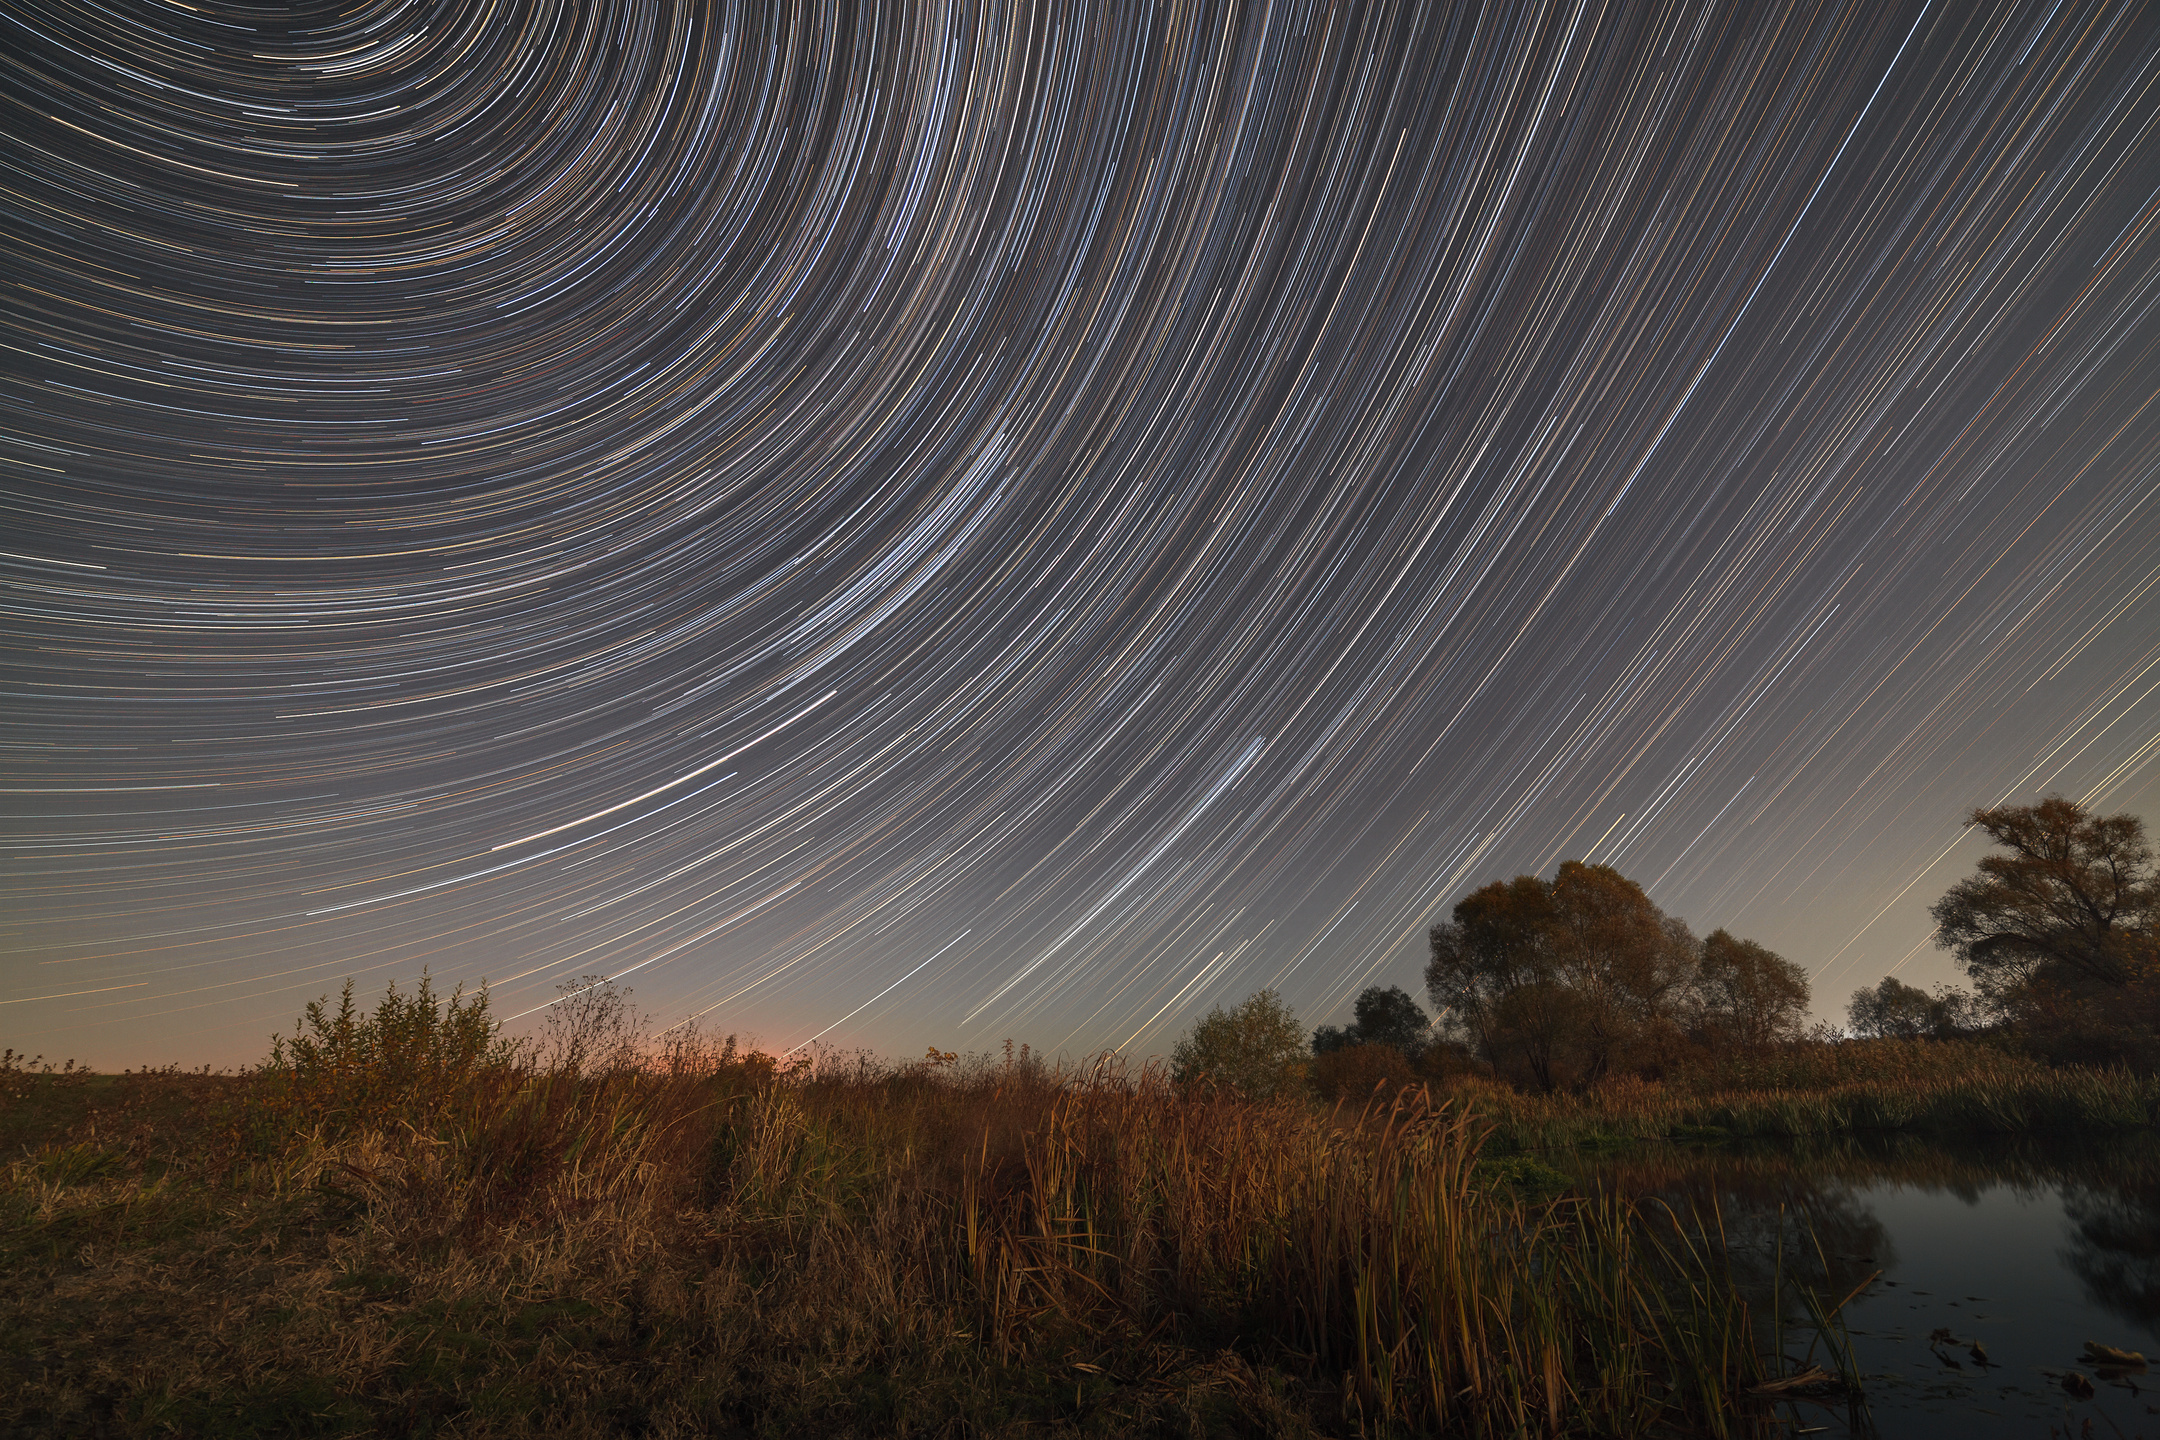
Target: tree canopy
2074,901
1564,981
1381,1016
1896,1010
1747,995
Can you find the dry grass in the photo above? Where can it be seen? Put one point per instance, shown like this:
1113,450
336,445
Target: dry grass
1942,1087
710,1244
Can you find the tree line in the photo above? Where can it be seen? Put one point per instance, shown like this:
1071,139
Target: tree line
1558,984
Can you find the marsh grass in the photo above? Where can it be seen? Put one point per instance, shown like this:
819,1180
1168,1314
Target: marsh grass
1934,1087
400,1225
709,1242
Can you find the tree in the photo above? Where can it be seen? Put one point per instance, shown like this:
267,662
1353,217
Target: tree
1895,1010
1256,1047
2074,905
1563,982
1745,994
1559,980
1383,1016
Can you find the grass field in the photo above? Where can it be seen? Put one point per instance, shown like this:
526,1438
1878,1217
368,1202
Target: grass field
1939,1087
717,1246
401,1227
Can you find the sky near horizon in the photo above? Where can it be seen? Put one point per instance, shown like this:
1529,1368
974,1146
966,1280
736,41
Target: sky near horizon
935,523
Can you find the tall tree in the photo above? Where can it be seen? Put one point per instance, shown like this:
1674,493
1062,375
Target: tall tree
1492,966
1558,979
2074,901
1746,994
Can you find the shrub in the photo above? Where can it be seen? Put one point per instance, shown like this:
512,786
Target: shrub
1256,1048
1357,1073
409,1061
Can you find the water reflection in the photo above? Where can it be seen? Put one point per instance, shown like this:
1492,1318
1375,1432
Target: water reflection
2025,1247
2115,1249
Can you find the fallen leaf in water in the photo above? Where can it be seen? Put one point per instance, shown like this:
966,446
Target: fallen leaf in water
2078,1385
2099,1354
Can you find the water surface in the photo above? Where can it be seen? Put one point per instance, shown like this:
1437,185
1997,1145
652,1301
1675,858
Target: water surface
2028,1248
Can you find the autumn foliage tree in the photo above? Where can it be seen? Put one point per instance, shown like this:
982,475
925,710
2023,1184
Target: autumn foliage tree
2061,928
1562,982
1745,994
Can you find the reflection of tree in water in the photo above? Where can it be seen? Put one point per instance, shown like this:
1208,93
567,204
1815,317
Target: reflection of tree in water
2114,1248
1830,1239
2110,1189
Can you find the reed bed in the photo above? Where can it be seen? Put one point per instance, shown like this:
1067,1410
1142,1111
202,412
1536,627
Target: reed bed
1948,1088
712,1244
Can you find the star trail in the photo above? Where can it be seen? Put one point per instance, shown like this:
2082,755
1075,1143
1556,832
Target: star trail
926,523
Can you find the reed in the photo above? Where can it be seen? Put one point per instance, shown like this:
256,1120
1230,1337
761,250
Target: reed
712,1242
1944,1088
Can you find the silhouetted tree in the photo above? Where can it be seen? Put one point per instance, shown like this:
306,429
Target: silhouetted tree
1381,1016
1895,1010
2075,899
1747,995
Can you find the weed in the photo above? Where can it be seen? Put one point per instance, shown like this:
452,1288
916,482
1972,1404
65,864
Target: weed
707,1240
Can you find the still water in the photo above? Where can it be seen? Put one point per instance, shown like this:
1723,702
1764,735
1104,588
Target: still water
2028,1249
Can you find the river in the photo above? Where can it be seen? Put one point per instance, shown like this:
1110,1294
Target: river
2027,1249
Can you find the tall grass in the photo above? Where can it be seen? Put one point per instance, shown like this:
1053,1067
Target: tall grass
713,1242
1816,1090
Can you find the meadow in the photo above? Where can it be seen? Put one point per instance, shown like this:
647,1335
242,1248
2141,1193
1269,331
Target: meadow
402,1225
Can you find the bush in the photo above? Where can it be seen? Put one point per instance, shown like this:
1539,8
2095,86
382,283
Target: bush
591,1028
1256,1048
1354,1074
346,1070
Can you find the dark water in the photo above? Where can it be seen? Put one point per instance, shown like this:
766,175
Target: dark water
2029,1248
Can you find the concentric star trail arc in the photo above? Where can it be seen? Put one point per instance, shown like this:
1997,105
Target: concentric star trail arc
923,524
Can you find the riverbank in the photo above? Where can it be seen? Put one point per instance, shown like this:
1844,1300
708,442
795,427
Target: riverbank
719,1248
414,1241
1801,1091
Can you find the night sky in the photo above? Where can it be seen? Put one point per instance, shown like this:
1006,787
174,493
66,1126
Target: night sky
929,523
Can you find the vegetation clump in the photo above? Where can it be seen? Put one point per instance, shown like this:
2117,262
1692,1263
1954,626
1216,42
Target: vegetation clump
2060,932
711,1241
1254,1047
1558,984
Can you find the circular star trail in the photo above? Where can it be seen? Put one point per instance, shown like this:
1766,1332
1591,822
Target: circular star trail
890,524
